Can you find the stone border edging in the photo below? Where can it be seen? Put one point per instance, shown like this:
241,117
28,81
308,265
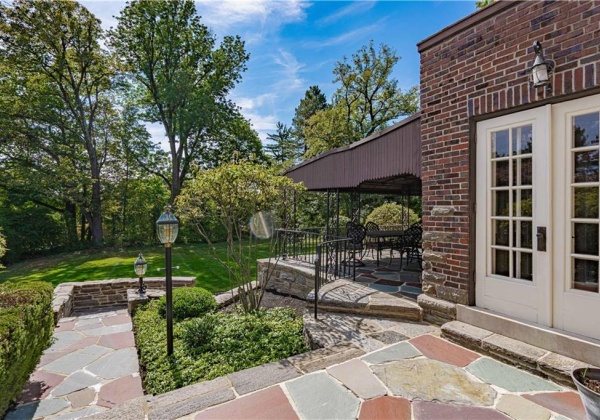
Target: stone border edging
100,293
533,359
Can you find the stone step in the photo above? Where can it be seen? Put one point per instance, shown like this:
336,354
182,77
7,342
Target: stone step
534,359
350,297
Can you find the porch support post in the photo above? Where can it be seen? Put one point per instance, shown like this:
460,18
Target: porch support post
328,216
337,212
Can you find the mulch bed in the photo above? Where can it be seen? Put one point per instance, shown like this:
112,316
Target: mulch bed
274,299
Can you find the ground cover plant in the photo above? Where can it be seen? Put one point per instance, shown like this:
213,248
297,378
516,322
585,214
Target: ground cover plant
110,263
26,325
213,344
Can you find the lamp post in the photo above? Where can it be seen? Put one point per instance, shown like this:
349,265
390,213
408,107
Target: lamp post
140,265
167,228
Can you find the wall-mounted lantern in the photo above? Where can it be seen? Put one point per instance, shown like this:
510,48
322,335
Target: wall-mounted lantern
541,68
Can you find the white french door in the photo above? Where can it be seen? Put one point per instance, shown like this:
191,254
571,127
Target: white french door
576,216
537,216
512,276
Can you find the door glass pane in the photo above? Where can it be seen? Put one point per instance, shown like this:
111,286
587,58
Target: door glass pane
501,232
585,130
522,140
500,264
523,265
585,202
500,203
500,144
585,238
500,173
522,234
522,203
522,171
585,275
586,166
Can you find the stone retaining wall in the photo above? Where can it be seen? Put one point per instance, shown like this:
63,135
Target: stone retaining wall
292,278
93,294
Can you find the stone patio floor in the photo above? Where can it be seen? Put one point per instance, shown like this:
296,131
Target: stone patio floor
425,377
91,367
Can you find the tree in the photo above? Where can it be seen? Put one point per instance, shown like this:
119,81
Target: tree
283,149
239,195
367,100
314,101
177,77
54,46
480,4
328,129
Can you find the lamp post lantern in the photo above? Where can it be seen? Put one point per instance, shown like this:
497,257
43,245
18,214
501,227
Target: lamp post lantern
140,265
167,228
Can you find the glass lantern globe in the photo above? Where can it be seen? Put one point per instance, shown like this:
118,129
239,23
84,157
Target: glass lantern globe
140,265
167,227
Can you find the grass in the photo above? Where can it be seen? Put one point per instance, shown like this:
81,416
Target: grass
111,263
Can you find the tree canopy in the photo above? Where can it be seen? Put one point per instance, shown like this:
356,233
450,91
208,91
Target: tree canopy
366,101
177,76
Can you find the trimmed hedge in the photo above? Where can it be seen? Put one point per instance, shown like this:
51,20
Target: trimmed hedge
26,326
188,302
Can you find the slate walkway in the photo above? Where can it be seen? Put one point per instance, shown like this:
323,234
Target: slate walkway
91,367
424,377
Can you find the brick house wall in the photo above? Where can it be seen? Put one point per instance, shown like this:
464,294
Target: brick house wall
479,67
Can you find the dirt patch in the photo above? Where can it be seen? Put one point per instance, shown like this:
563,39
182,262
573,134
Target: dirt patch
592,384
274,299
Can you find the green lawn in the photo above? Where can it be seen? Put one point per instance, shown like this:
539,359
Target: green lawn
193,260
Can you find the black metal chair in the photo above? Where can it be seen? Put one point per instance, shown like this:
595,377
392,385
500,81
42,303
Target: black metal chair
410,244
357,233
371,243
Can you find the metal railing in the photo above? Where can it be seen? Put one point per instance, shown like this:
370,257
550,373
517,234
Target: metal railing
334,257
299,245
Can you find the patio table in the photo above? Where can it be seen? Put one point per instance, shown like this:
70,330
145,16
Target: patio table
383,237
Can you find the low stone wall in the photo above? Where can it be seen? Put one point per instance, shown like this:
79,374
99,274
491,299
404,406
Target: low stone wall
291,278
94,294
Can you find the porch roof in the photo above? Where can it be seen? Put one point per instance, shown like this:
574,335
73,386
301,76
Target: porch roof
388,162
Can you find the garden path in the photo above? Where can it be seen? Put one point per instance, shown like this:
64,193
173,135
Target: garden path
91,366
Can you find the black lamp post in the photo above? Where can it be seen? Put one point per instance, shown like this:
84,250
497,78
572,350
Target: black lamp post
167,228
140,265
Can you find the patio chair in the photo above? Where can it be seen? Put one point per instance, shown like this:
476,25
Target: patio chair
371,243
410,244
357,234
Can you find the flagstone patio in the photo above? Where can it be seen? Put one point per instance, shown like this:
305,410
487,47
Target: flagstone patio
91,367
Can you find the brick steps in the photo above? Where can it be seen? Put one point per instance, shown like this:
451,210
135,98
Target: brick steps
350,297
525,356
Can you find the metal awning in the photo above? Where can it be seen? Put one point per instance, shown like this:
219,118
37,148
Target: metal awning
388,162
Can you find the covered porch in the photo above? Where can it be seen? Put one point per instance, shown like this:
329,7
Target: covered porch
386,164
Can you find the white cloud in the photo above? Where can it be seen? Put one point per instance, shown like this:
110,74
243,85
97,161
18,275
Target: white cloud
249,104
290,72
347,37
224,15
263,124
355,8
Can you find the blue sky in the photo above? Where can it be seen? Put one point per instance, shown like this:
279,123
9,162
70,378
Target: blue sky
294,44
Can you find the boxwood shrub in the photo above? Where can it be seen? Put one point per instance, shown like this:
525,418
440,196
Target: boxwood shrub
189,302
26,326
212,345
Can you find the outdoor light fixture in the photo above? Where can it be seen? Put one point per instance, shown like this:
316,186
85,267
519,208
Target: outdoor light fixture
167,228
541,68
140,265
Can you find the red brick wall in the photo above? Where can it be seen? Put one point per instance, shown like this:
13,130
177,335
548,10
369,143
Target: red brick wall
481,70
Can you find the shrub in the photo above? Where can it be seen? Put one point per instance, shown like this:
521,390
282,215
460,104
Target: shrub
26,326
212,345
392,214
189,302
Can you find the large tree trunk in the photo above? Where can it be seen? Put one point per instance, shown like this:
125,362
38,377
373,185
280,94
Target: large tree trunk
70,218
96,216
